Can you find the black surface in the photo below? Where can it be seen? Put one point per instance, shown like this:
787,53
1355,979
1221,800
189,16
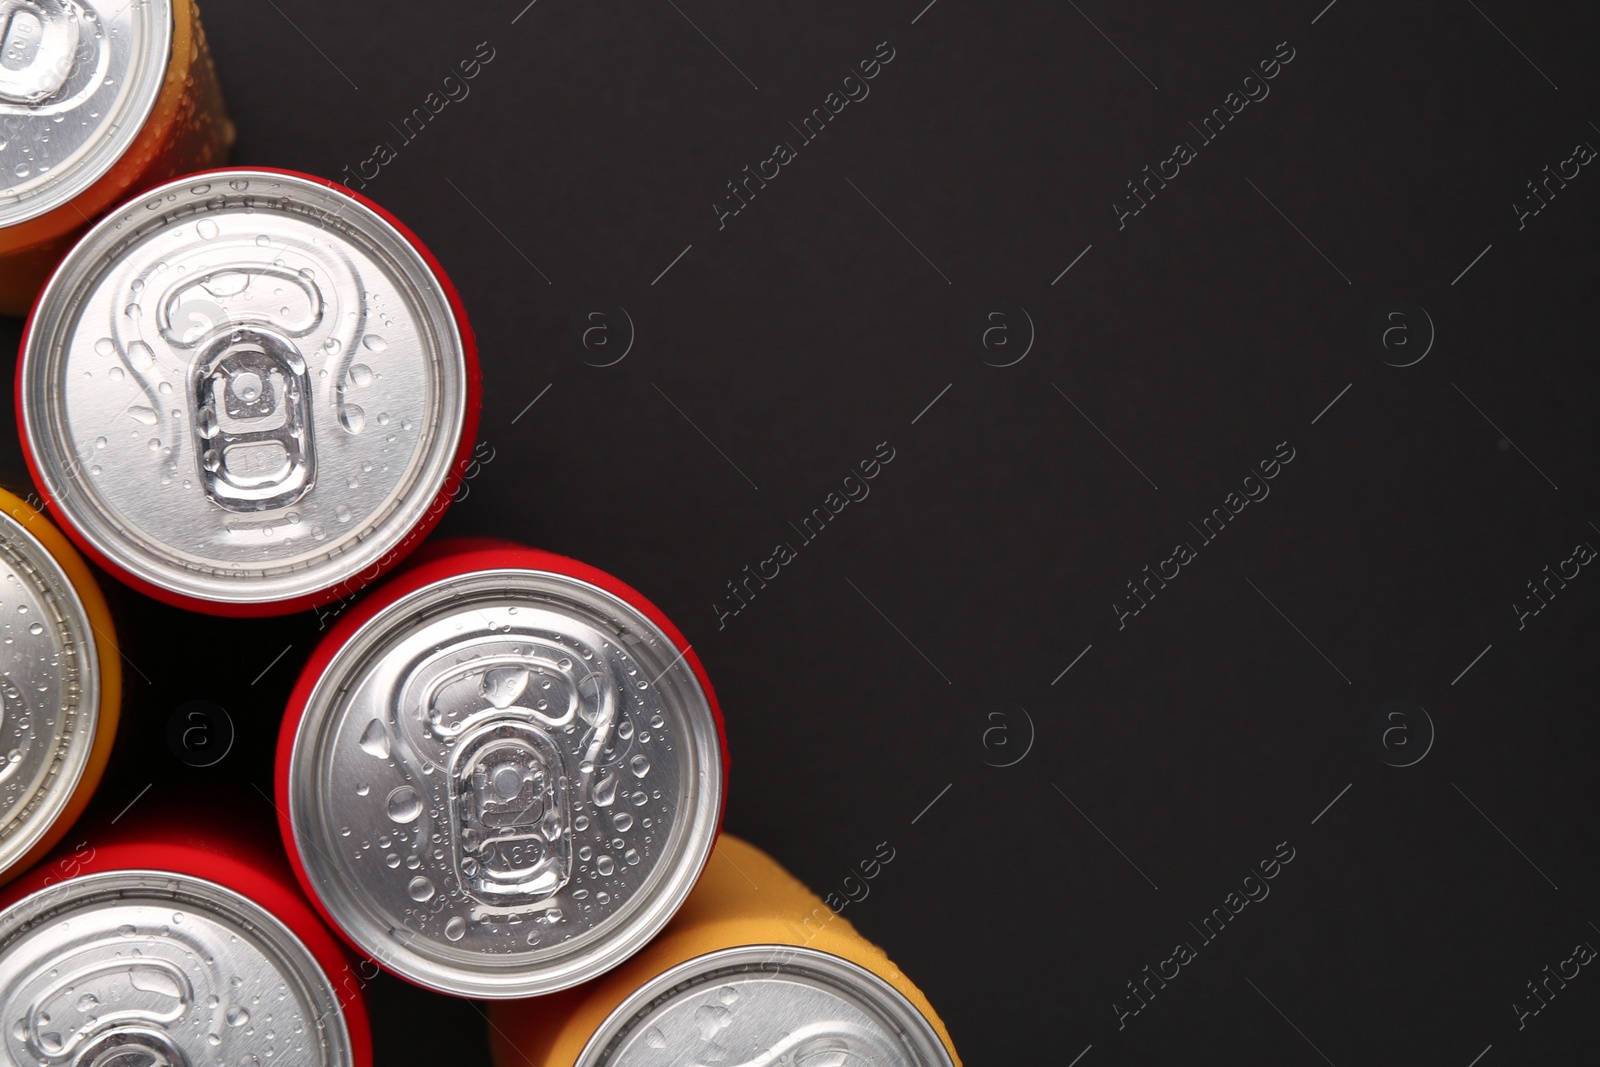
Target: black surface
921,638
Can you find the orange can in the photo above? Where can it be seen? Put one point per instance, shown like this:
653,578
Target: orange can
755,968
60,685
98,100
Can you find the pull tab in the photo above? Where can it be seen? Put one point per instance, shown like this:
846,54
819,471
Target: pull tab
131,1046
509,808
38,40
252,429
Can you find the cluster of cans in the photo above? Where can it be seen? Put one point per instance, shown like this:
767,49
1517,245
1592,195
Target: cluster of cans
501,774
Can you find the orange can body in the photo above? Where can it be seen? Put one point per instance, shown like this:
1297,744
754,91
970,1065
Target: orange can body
30,825
744,899
186,130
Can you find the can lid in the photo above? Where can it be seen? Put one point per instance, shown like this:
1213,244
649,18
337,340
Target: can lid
246,388
767,1004
504,783
49,690
155,969
78,80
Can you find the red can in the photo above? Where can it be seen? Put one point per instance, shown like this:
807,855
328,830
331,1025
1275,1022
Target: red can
501,774
170,939
248,392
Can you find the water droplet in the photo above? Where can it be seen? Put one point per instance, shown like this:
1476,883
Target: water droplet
341,513
373,343
622,821
362,789
605,791
639,799
631,857
352,418
115,374
263,240
361,374
375,739
138,412
237,1016
455,929
36,629
207,229
105,347
391,861
211,460
655,1038
605,865
150,980
639,765
88,1002
404,804
420,889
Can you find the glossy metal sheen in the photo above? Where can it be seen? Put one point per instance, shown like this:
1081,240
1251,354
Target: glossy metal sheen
78,79
505,783
152,969
49,690
246,388
765,1006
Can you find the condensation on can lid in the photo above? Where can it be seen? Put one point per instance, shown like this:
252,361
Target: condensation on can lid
768,1004
49,690
245,388
78,80
160,968
505,783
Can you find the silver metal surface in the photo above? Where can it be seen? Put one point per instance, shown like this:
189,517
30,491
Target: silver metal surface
78,80
49,690
153,969
505,783
766,1006
246,388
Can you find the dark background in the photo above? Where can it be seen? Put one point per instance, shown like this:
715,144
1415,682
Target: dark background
921,639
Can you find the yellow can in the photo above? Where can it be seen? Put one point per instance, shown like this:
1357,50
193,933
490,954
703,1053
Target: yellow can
97,101
60,685
755,969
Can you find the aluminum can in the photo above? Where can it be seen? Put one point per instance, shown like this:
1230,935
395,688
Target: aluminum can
755,969
171,942
248,392
60,685
97,101
501,773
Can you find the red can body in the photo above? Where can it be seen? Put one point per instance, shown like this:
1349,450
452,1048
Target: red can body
302,807
186,572
179,840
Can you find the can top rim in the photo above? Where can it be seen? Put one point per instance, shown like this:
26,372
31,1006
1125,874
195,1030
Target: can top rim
116,543
117,129
87,712
724,966
693,834
291,958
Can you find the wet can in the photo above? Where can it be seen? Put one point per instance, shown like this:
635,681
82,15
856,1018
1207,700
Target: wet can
97,100
171,941
60,685
248,392
754,969
501,774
